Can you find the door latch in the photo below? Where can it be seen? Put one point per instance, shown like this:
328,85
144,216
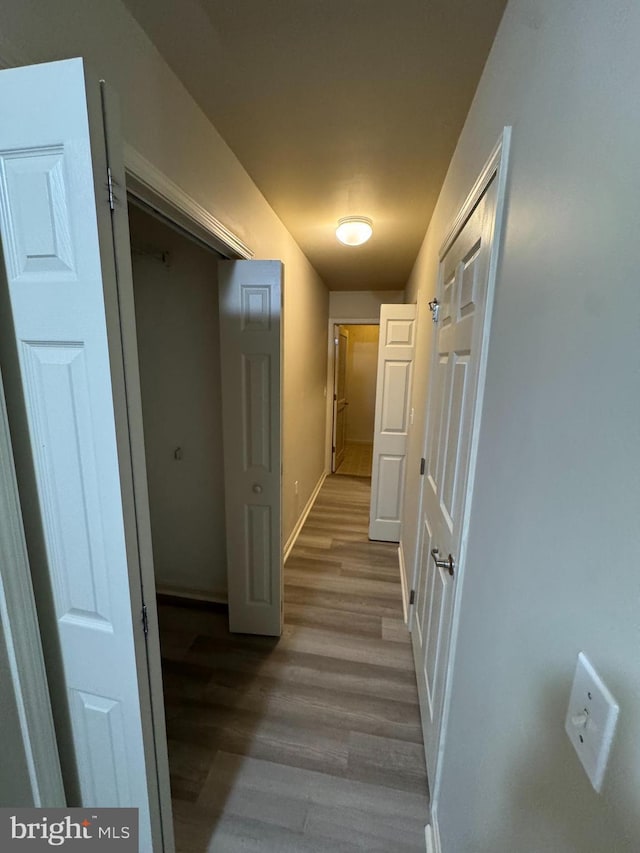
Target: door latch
434,307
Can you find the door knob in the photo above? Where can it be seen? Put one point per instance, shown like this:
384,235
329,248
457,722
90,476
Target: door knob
448,564
257,488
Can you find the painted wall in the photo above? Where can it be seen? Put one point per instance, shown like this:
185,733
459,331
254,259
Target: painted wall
15,783
179,356
554,546
362,362
361,304
163,123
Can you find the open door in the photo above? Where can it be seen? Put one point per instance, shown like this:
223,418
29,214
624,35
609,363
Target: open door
61,342
393,395
250,355
340,403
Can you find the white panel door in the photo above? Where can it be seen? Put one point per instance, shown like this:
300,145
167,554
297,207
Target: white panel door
340,403
451,407
58,250
393,396
250,345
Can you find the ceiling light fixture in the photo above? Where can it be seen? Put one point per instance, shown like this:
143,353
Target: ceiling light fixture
354,230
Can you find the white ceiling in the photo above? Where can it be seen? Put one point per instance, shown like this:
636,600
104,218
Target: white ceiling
335,107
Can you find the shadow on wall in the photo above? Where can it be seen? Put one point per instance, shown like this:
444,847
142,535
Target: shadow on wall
533,811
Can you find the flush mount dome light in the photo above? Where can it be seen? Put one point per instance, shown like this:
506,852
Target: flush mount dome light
354,230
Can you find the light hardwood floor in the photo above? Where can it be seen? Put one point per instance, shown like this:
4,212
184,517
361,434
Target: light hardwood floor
311,742
358,459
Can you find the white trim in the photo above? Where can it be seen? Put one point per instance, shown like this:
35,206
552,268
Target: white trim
152,187
491,167
291,541
403,584
432,837
21,633
497,166
219,597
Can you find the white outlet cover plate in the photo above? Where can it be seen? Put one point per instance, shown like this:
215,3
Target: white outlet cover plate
591,720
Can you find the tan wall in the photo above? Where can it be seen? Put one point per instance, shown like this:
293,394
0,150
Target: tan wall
163,123
362,362
179,355
558,477
361,304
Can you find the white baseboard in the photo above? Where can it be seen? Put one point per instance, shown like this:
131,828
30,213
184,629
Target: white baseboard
217,596
432,838
403,584
291,541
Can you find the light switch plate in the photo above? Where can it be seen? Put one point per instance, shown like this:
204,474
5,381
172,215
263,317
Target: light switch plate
591,720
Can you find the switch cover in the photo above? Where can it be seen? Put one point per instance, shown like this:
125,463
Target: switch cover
591,720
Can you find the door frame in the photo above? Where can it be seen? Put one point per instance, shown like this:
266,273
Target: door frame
496,168
152,190
331,359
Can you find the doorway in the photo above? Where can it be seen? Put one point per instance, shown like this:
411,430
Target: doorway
178,337
356,355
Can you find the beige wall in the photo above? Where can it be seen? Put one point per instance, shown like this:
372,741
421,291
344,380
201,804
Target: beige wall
361,304
163,123
179,356
362,360
554,544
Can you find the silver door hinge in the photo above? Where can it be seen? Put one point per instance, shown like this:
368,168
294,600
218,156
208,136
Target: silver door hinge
434,307
112,199
412,596
423,462
335,341
145,620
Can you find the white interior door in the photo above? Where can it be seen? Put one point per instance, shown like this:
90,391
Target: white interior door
250,346
340,402
452,398
59,257
393,396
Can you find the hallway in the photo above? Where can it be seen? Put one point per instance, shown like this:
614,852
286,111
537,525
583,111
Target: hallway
312,742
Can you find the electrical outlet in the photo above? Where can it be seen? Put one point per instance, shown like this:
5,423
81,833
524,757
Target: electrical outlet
591,720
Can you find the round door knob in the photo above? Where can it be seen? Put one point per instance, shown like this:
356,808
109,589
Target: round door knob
257,488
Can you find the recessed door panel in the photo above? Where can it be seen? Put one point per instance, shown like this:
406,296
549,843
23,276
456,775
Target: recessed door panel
396,396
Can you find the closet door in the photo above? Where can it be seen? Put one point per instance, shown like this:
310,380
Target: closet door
250,345
62,336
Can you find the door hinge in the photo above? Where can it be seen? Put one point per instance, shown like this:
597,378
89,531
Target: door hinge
335,342
335,397
412,596
145,620
434,307
423,462
333,449
112,200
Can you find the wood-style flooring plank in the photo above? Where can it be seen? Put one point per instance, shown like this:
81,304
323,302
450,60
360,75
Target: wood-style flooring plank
310,743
